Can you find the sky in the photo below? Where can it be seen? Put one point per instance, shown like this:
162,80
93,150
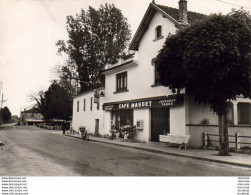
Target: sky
29,30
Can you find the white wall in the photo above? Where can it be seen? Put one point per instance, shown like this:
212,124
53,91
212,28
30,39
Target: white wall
143,114
178,120
141,77
87,118
107,122
198,112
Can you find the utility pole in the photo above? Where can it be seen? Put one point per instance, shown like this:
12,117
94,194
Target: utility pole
1,88
2,101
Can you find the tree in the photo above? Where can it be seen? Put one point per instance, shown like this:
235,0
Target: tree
211,60
41,105
59,102
6,114
55,103
96,38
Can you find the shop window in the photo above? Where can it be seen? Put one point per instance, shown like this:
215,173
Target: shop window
121,81
77,106
244,113
84,105
121,118
158,32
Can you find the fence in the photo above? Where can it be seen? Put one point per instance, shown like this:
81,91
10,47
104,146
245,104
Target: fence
49,127
237,139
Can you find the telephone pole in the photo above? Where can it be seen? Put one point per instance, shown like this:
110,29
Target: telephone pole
1,88
2,101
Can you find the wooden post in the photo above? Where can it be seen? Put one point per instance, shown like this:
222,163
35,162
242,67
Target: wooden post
237,141
205,140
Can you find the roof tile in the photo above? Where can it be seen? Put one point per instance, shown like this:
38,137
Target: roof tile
174,13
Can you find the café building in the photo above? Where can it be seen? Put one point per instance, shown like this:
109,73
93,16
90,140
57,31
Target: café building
133,95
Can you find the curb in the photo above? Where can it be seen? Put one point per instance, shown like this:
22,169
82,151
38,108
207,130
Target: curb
170,153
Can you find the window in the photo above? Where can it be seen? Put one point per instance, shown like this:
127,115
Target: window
84,105
230,113
121,118
158,33
244,113
91,103
156,73
122,81
77,106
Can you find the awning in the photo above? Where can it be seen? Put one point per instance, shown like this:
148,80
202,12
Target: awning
151,102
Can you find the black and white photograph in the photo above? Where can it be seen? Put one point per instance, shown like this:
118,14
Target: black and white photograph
122,94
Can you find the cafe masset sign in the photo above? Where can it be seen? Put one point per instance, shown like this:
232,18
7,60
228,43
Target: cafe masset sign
156,102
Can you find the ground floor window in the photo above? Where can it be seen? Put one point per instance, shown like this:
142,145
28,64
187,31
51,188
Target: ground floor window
230,113
244,113
121,118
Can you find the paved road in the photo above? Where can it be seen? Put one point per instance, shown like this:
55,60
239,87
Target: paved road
30,151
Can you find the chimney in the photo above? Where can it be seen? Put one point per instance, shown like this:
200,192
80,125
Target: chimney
183,11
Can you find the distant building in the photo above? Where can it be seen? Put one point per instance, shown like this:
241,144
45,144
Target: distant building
30,117
14,118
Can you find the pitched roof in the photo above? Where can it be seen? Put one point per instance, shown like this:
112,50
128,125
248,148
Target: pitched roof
171,13
174,13
32,110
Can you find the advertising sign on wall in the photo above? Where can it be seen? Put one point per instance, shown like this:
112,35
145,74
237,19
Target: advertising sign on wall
155,102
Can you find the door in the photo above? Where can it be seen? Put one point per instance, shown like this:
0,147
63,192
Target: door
96,126
160,122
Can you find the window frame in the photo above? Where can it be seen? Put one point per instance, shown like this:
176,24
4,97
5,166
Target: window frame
121,81
77,106
156,82
158,32
91,103
84,105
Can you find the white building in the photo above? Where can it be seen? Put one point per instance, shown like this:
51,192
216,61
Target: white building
133,94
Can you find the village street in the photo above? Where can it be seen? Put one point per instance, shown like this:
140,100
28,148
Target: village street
30,151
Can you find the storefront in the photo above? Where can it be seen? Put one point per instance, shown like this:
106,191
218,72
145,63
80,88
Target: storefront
150,116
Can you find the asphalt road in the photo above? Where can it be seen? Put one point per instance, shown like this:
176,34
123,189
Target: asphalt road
30,151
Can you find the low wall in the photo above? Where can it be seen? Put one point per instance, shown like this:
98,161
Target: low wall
196,133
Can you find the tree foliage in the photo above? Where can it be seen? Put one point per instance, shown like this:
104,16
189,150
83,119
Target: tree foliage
55,103
6,114
96,37
211,60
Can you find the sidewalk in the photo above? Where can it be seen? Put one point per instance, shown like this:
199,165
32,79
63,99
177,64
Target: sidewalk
236,159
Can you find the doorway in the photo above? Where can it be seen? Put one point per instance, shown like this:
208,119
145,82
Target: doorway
160,122
96,126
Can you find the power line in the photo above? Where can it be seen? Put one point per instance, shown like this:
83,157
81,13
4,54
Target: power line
52,13
233,4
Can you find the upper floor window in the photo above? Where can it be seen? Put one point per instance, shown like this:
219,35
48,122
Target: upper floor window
158,32
121,81
91,104
156,73
77,106
84,105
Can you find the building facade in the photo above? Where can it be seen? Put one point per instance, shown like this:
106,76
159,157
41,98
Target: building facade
133,95
30,117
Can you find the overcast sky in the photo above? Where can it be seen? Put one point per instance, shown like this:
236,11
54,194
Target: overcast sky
29,30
